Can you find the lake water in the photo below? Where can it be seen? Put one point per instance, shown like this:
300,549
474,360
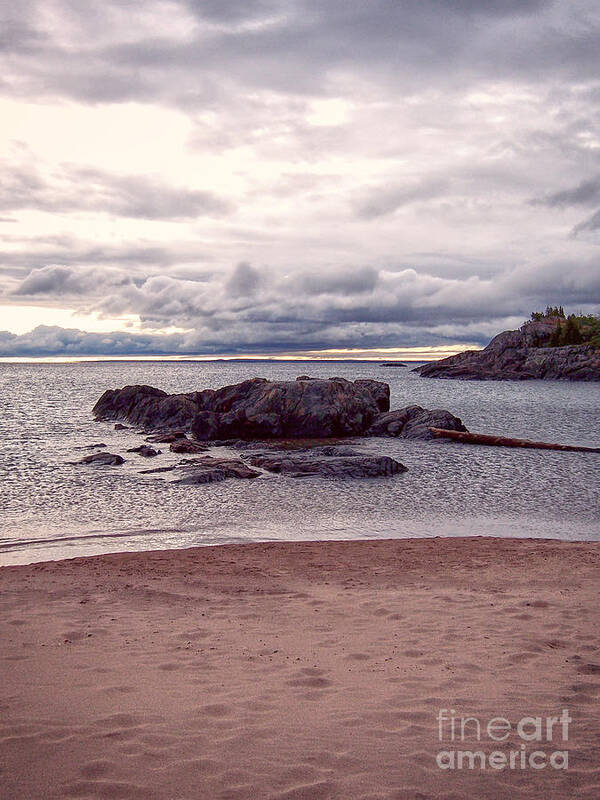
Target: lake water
52,509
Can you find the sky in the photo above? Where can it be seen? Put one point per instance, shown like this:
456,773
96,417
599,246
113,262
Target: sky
294,176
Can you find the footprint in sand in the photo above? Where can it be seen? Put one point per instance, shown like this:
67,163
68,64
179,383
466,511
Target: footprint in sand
216,710
310,677
589,669
95,769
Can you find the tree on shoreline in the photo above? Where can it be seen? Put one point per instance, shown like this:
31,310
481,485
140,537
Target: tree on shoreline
570,330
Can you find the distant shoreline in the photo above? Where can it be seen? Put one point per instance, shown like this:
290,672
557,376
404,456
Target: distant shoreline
185,360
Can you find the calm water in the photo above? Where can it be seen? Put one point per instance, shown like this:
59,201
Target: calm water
51,509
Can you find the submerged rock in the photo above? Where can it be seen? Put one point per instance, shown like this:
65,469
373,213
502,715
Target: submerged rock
348,466
108,459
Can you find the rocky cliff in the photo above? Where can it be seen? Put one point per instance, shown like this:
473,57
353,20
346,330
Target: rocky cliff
523,354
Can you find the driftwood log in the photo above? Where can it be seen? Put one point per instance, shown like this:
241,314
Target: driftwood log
504,441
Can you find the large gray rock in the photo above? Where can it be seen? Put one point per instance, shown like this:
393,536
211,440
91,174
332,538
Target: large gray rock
353,466
413,422
521,355
254,409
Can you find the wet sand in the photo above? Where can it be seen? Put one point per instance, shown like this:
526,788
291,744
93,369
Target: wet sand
299,670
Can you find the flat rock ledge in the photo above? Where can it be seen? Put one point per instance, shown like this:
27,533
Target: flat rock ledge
348,466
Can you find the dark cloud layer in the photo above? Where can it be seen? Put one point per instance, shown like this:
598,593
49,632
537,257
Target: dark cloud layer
63,281
586,193
78,189
249,310
291,46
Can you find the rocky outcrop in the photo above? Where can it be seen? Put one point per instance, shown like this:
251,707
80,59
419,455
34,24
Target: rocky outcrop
254,409
259,409
335,466
523,354
414,422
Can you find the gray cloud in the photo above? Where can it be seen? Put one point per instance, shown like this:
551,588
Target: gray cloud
294,46
60,280
286,314
244,280
585,193
74,189
340,282
386,199
303,310
51,340
590,224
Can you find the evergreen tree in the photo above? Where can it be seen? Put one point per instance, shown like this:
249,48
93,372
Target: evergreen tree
556,338
571,333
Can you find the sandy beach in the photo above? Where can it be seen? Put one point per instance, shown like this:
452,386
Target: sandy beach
301,671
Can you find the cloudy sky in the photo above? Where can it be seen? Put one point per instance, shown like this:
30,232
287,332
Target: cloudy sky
294,176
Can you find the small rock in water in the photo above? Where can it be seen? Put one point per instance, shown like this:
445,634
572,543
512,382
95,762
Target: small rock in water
166,437
210,470
205,476
144,450
187,446
120,427
110,459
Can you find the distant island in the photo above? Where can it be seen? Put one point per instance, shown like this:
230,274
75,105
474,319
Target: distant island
549,346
